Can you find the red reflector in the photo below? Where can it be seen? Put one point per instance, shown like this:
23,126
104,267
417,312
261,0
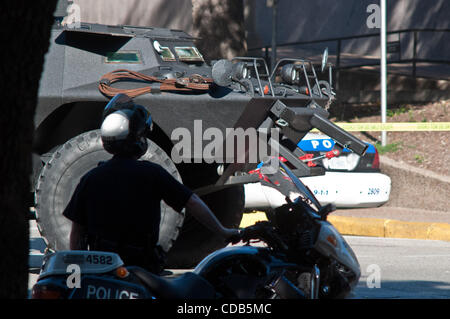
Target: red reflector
122,272
332,240
45,292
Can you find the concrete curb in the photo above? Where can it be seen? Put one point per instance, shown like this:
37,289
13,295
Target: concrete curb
416,170
375,227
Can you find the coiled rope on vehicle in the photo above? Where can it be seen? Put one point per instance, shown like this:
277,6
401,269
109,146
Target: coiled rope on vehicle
193,83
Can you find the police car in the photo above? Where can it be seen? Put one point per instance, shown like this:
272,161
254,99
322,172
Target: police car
350,180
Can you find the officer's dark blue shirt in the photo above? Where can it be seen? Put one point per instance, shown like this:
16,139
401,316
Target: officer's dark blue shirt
120,200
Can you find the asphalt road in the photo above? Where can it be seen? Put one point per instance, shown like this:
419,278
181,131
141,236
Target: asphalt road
390,268
407,268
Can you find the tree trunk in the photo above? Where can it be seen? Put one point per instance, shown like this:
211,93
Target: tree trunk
220,25
25,31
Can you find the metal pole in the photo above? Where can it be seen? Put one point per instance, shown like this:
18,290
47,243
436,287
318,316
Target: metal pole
274,35
338,63
383,70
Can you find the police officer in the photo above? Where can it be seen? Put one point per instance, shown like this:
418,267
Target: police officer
116,206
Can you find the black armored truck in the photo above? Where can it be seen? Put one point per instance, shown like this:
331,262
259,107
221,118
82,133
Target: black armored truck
162,69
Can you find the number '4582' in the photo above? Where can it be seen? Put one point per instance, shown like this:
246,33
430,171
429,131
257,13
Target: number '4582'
96,259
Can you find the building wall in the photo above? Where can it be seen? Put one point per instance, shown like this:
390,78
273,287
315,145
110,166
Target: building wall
306,20
173,14
298,20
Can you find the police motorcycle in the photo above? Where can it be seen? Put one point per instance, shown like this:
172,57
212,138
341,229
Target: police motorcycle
301,255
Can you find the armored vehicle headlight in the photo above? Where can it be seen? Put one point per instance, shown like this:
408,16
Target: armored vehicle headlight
241,71
290,74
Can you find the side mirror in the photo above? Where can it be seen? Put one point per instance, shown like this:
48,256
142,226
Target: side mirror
324,59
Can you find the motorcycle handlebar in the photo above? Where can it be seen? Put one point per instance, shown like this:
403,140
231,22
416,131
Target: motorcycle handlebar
234,239
261,230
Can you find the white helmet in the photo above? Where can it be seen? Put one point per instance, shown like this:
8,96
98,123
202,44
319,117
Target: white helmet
125,127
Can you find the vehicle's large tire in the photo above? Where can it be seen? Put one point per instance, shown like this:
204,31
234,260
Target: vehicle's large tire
61,174
195,241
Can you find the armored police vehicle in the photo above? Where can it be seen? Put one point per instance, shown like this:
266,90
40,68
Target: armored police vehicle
162,69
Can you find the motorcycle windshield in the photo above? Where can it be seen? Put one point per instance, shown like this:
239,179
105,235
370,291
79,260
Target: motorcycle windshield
285,181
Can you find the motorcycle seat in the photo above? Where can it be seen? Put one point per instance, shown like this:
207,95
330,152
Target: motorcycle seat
187,286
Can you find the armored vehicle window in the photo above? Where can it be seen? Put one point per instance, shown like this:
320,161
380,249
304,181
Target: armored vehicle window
166,54
123,57
188,54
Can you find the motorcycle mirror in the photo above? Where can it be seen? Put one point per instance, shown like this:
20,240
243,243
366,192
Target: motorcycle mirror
324,59
221,72
326,210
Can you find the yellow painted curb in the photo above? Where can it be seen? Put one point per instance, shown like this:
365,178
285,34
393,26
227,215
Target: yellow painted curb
374,227
439,231
390,228
401,229
251,218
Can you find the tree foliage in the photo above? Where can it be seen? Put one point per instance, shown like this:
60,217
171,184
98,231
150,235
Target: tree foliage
220,26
